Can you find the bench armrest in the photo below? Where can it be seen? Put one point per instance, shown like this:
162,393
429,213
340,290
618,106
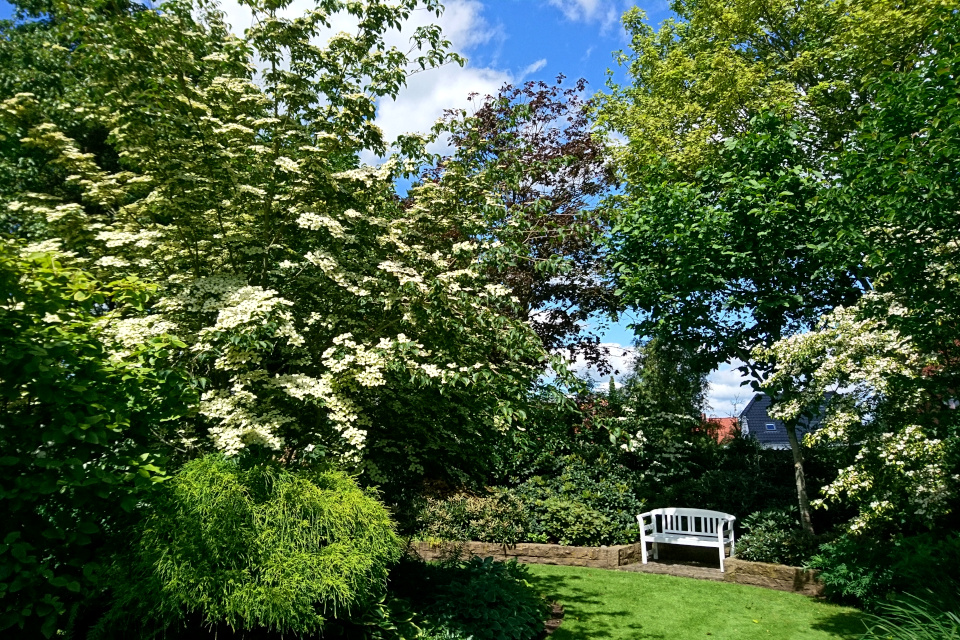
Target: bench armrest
646,527
726,525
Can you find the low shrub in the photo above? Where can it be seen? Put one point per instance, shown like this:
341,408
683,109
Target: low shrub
586,502
571,522
478,598
389,618
499,516
775,535
867,571
854,571
253,546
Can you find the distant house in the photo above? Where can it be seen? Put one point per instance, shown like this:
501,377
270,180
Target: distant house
721,429
755,422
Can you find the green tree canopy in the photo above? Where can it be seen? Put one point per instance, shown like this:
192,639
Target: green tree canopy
731,234
895,352
734,118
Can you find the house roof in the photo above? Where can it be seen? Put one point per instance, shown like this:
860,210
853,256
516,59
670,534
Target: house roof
722,429
771,433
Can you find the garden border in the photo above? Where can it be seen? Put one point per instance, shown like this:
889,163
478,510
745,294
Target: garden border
759,574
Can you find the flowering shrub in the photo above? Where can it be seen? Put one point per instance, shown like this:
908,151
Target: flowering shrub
307,295
904,465
88,425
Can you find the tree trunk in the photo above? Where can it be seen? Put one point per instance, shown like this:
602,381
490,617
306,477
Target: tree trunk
801,479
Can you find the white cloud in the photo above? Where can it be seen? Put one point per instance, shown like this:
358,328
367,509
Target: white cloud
429,93
533,68
605,12
725,396
619,357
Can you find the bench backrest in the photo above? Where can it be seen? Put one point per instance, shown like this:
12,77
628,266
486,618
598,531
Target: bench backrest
690,521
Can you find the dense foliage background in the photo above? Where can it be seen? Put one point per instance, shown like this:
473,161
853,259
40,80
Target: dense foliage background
236,365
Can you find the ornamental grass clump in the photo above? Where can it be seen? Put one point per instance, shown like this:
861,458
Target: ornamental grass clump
254,546
913,618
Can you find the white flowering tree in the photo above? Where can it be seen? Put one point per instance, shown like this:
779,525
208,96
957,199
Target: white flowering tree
321,316
905,450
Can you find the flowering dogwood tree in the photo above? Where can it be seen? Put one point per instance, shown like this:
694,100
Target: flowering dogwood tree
905,447
322,316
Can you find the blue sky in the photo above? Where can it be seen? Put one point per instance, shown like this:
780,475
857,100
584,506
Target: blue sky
511,41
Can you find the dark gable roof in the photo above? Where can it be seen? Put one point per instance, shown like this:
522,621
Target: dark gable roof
754,420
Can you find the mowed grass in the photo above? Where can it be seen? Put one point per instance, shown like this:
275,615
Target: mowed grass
637,606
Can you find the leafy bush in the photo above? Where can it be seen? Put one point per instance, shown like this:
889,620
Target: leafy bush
854,570
868,571
570,522
478,598
775,535
254,546
499,516
82,425
912,618
585,501
582,501
389,618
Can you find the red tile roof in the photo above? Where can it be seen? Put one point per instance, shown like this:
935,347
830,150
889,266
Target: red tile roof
722,429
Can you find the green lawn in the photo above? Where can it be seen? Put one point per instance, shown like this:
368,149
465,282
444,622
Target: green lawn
639,606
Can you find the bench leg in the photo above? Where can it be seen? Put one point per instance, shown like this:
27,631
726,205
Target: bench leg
721,558
643,550
656,551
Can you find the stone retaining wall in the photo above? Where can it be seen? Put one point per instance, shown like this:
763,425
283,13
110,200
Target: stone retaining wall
529,552
760,574
773,576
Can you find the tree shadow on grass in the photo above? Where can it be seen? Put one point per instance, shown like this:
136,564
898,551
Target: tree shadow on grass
847,625
608,624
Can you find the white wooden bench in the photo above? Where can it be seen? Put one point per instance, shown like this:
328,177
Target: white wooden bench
693,527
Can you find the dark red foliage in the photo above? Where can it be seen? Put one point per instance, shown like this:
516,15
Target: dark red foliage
533,147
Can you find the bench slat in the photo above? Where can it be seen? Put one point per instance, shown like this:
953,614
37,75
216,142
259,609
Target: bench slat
685,540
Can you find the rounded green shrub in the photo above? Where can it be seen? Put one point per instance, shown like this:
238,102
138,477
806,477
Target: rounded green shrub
587,502
775,535
255,546
868,570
